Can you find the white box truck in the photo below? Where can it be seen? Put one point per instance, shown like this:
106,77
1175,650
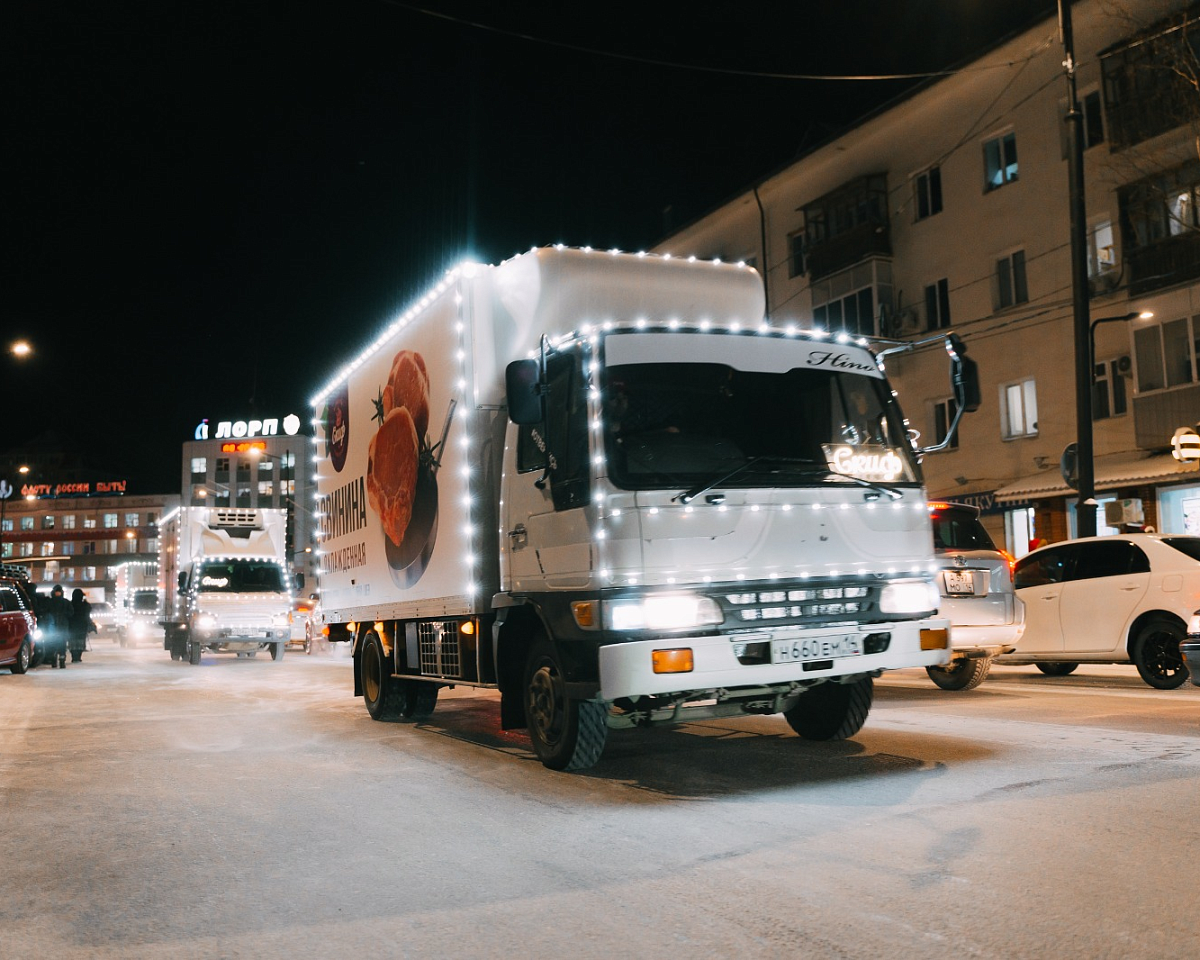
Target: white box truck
604,485
137,602
226,586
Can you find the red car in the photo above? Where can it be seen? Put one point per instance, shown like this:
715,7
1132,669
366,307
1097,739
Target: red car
17,623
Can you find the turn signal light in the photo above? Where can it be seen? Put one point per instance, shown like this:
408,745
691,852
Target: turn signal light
935,639
584,612
673,661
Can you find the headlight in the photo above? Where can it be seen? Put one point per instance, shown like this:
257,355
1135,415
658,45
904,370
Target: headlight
281,619
908,596
666,612
206,621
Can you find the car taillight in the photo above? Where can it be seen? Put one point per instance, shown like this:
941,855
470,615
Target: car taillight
1012,563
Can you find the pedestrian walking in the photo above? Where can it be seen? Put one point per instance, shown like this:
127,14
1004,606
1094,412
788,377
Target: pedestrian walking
57,628
81,622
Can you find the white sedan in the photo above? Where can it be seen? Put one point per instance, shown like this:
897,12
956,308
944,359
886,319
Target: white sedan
1122,599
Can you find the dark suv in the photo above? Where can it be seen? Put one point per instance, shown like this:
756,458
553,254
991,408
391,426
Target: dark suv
17,623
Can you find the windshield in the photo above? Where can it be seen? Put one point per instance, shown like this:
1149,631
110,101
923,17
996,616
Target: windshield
240,576
679,424
1187,545
145,602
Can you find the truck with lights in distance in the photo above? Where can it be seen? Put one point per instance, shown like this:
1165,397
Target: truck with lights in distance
605,485
226,587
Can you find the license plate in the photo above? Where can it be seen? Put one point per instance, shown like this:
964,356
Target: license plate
959,582
815,648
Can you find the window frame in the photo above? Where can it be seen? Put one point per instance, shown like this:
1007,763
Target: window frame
1012,280
928,199
1027,387
1007,169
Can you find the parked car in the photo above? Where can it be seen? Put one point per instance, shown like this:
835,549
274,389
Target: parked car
18,627
975,581
301,623
1190,648
1117,599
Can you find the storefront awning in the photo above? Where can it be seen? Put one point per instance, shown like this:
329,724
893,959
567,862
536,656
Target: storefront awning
1112,471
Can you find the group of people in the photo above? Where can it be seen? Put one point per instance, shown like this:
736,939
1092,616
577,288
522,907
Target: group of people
65,625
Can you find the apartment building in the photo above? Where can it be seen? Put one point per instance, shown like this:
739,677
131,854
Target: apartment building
949,209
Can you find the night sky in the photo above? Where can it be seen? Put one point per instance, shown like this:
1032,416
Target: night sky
208,206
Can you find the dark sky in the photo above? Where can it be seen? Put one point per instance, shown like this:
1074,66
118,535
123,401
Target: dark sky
206,206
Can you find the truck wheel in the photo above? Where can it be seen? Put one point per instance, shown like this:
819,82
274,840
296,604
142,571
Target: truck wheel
1057,669
961,673
382,693
1156,655
567,734
193,652
24,655
277,651
420,698
832,711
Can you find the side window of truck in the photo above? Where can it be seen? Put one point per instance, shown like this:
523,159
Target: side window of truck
531,447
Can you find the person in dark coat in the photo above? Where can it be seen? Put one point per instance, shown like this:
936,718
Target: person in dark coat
57,627
81,621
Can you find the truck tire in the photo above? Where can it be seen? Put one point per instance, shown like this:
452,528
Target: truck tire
832,711
420,699
193,649
961,673
567,734
1156,655
383,695
277,651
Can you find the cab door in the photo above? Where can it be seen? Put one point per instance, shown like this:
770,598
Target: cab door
1039,580
1106,586
547,537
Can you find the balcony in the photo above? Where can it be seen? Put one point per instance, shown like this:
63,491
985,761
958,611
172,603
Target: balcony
1163,264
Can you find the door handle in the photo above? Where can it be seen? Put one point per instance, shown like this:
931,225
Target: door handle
518,535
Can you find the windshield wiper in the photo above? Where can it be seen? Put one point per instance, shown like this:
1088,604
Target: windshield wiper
689,495
869,484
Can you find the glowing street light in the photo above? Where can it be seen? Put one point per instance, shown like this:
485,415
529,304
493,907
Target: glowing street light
20,349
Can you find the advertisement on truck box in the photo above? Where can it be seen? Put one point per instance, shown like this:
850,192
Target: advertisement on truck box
390,435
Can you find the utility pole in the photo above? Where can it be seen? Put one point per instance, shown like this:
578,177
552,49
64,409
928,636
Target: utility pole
1085,513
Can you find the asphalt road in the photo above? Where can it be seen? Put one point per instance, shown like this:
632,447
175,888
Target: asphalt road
245,808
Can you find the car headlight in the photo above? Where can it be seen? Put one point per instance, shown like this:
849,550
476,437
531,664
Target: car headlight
908,596
206,621
664,612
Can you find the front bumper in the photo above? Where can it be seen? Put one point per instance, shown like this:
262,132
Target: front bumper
626,669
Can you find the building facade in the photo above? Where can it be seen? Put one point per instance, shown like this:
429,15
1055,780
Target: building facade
949,210
80,540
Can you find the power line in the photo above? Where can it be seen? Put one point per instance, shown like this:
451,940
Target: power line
698,68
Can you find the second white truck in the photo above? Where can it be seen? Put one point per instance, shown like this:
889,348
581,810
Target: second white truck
226,587
604,485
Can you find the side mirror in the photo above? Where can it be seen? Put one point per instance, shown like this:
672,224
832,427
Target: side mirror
299,581
522,384
183,580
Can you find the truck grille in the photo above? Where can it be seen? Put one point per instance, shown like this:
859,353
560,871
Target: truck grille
801,604
438,648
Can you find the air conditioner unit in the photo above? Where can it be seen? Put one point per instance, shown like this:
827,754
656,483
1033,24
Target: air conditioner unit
1125,366
1117,512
